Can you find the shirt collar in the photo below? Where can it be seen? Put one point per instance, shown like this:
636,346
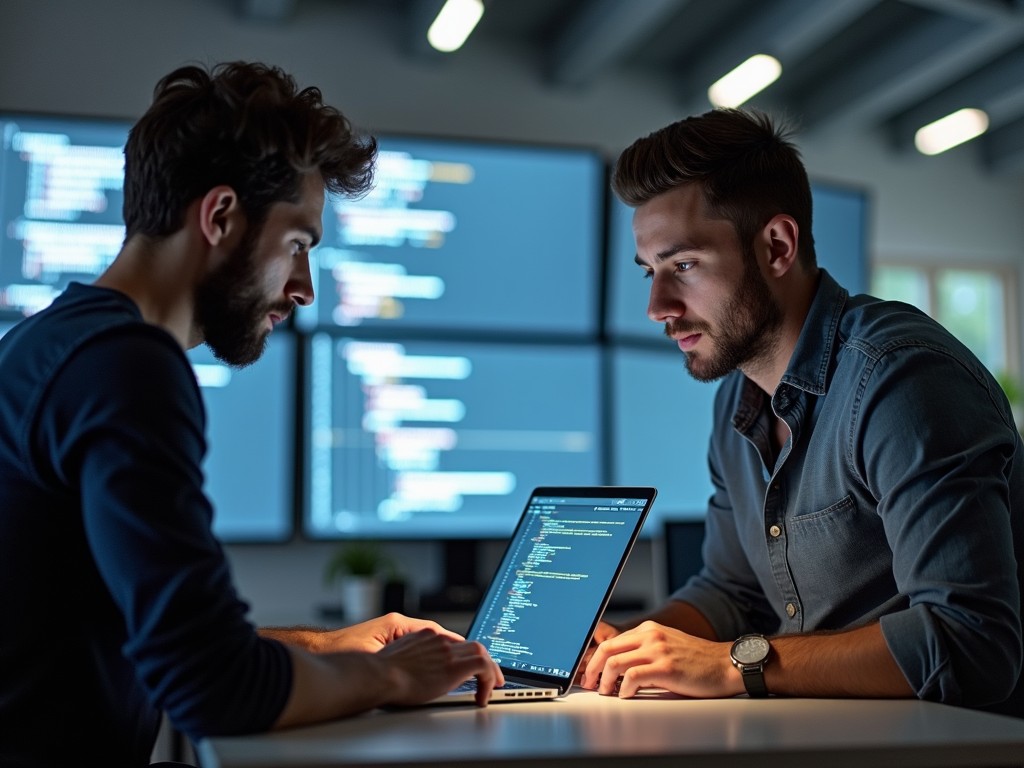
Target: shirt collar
809,366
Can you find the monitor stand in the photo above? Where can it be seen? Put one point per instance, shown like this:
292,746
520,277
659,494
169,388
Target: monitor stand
460,590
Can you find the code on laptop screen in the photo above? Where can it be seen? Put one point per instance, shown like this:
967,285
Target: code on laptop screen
560,565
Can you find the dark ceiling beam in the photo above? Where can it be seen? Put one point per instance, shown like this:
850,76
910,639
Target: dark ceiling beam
821,24
600,34
998,88
266,10
907,70
1007,106
420,14
978,10
1002,150
785,29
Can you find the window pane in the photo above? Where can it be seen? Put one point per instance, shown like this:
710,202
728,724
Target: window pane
901,284
971,307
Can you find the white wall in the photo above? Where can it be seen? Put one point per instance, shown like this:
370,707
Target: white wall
102,57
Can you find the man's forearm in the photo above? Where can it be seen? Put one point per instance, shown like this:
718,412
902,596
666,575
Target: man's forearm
308,638
856,663
329,687
850,663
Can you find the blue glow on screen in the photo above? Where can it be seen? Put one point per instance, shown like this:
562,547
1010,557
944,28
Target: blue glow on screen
465,237
432,439
60,201
660,431
250,432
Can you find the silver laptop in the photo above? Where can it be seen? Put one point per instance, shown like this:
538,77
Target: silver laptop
555,578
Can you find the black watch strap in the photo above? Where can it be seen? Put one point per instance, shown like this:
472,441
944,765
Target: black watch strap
753,681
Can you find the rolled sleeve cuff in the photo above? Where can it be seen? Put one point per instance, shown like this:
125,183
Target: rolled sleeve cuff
916,644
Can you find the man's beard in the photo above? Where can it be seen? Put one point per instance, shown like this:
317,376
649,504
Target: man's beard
231,309
746,328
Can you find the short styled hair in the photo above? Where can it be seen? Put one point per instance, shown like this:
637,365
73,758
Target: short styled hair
746,166
245,125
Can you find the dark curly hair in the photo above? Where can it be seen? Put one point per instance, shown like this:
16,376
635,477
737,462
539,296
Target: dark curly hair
748,169
246,125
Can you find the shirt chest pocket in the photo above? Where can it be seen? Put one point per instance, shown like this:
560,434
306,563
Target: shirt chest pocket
836,551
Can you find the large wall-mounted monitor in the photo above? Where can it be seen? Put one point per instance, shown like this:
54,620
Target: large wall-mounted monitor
444,440
659,432
61,196
455,356
251,432
465,237
840,241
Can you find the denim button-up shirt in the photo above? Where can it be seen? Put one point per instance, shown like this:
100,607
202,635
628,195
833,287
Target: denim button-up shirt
899,497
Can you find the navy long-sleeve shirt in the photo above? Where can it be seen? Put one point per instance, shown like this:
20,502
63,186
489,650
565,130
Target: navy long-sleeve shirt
116,601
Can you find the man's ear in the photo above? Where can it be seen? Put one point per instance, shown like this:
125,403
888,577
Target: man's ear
220,215
782,235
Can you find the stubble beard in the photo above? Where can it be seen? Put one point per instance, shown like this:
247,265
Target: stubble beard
746,334
231,309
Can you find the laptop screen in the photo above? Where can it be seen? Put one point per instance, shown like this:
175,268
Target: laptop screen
556,575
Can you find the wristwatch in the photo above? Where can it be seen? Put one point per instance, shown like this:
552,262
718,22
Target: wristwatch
749,655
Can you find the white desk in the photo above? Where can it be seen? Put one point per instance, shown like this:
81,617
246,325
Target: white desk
585,729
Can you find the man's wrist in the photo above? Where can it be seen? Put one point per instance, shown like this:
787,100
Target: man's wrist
749,655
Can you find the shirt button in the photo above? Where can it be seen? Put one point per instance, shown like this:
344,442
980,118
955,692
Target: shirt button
775,531
790,610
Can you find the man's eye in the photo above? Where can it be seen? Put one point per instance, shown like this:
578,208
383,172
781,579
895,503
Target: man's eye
684,266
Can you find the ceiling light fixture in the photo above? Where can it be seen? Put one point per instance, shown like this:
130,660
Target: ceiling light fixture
454,23
752,76
951,130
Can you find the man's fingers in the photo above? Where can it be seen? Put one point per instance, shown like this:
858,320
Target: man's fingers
472,660
597,669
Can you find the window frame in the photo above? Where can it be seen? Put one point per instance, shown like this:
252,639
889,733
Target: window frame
1009,277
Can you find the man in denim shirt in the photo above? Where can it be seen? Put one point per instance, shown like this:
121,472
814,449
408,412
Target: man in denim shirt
868,505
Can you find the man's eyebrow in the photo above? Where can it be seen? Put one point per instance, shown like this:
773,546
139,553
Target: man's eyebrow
666,254
314,235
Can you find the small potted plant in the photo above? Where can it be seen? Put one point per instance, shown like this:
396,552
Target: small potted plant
360,568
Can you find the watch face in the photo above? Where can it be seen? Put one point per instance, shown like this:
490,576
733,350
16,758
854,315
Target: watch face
750,649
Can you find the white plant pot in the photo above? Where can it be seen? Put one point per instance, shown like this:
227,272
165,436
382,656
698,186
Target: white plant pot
361,598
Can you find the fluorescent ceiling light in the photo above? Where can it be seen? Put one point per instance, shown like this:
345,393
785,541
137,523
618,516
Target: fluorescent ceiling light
753,75
453,24
963,125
